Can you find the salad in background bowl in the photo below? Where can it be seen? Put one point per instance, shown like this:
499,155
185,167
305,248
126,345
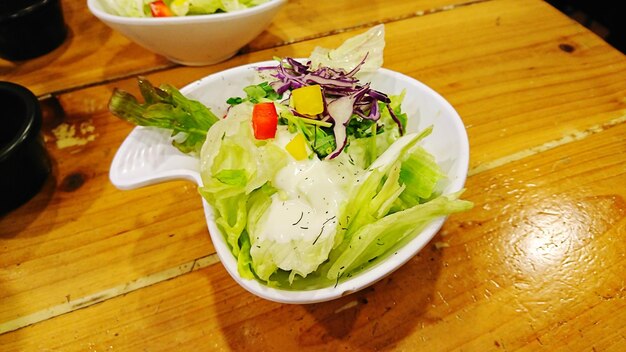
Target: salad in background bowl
169,8
318,176
186,34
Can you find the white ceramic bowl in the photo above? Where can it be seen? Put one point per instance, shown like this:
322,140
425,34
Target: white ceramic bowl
147,156
193,40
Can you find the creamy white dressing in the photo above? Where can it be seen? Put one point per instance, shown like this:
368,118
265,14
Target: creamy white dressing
307,205
308,202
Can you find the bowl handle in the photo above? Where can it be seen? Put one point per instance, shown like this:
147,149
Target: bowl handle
147,157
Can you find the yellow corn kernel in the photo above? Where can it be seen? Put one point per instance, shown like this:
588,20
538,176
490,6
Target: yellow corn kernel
297,147
308,100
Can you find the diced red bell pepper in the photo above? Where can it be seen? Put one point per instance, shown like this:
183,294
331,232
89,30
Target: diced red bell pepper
159,9
264,120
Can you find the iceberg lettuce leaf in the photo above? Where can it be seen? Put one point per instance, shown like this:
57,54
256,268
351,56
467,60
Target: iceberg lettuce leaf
367,46
377,238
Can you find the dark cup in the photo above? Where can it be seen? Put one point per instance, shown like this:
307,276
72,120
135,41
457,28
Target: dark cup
24,162
30,28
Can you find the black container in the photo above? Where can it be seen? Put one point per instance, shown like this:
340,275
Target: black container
30,28
24,162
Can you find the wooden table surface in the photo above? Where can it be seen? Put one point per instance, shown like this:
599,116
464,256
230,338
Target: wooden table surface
539,263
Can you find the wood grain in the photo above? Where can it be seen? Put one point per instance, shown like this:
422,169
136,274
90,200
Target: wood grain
94,53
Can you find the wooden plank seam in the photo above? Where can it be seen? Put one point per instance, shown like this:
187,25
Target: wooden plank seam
569,138
119,290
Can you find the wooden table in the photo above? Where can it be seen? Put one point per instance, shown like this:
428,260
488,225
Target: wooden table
538,264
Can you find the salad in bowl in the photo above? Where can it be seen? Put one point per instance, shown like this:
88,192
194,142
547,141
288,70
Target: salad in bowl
318,176
170,8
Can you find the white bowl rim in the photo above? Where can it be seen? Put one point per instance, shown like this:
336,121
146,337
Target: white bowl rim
378,271
96,9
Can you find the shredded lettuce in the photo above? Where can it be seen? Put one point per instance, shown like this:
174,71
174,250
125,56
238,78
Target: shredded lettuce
375,239
233,166
375,223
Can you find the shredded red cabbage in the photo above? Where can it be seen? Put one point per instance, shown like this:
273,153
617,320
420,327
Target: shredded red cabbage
344,96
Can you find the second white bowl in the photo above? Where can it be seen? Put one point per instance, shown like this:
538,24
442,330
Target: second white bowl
193,40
